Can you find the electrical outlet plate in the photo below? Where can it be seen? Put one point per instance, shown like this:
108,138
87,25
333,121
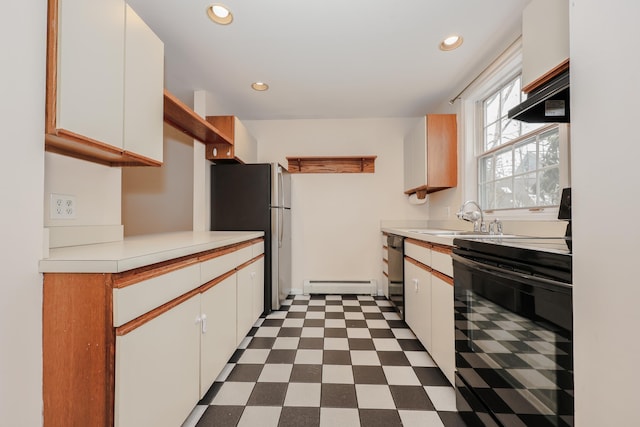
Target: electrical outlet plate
63,206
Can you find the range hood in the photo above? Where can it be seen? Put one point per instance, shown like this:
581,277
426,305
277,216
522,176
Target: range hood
547,104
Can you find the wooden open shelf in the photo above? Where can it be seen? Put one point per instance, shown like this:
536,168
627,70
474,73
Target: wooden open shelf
331,164
183,118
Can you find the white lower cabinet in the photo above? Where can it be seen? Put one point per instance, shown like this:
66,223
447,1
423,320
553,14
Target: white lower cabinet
417,300
257,279
157,369
443,334
250,296
218,330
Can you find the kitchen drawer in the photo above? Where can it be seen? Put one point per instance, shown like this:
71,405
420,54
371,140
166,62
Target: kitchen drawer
134,300
216,267
244,255
441,260
257,249
421,254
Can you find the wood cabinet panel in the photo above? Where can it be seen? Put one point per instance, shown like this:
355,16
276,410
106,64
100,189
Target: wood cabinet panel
244,148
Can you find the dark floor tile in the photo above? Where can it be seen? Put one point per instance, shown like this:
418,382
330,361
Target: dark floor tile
335,332
221,416
306,374
356,323
290,332
361,344
252,331
317,296
333,302
381,333
352,308
431,376
411,397
453,419
379,418
296,315
369,375
393,358
281,356
261,342
387,309
316,308
368,303
245,373
396,324
210,394
313,323
291,297
349,297
336,357
410,345
334,315
307,343
338,396
236,356
379,298
299,417
373,316
300,302
272,322
268,394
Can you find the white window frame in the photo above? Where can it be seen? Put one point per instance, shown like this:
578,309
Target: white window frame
506,67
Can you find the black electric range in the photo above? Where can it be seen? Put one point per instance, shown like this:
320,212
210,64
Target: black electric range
539,256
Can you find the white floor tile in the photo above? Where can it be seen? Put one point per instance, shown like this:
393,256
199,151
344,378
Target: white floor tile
420,419
308,357
258,322
312,332
377,324
403,334
337,374
386,344
339,417
267,331
400,375
370,309
286,343
443,398
365,298
303,394
336,344
254,355
293,323
374,397
391,315
350,302
232,393
334,309
358,333
244,343
365,357
353,315
333,297
335,323
275,373
277,315
298,308
420,358
317,302
222,376
314,315
263,416
383,303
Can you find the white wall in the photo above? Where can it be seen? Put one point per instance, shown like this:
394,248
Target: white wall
158,200
22,41
336,217
605,175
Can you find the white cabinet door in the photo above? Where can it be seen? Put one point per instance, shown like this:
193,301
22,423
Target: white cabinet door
143,89
157,369
218,338
245,146
417,302
244,291
415,155
442,333
257,279
90,63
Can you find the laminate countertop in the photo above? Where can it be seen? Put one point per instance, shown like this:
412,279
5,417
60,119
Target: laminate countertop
138,251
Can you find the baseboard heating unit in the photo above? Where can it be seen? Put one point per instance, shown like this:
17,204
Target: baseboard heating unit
368,287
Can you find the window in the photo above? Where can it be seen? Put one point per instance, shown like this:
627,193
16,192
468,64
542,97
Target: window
519,164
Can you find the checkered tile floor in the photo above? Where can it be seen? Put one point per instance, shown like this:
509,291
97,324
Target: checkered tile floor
329,361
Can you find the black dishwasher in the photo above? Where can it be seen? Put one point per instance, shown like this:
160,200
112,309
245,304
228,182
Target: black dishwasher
395,245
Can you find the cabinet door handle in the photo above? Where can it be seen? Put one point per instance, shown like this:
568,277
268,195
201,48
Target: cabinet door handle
415,283
203,324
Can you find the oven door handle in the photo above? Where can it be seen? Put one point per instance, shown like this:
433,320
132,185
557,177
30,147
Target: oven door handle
509,274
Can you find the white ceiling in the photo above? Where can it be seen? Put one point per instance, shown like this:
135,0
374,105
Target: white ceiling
330,58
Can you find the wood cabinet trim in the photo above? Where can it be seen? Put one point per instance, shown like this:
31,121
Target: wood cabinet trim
442,249
183,118
248,263
421,243
331,164
549,75
384,273
448,280
418,264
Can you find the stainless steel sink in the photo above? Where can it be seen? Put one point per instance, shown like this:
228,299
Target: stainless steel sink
460,233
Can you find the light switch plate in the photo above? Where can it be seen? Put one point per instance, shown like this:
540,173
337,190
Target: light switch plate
62,206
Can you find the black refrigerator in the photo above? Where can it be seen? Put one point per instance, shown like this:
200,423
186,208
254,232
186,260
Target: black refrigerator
257,197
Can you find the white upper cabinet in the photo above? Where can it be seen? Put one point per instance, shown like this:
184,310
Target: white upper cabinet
143,88
104,84
545,39
90,61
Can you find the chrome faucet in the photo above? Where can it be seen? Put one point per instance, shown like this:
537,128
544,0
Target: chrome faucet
475,216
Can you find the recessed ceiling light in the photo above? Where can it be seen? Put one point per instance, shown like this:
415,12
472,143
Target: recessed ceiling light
451,42
220,14
259,86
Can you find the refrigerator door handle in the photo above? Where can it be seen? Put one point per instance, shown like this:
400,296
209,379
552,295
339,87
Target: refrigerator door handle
281,219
